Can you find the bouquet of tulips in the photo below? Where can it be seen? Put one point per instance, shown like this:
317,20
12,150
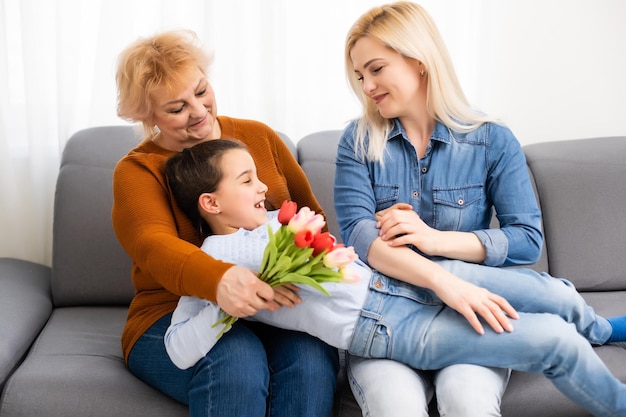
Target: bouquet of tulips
300,253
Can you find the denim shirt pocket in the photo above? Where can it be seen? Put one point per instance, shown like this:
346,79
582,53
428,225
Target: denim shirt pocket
457,208
386,195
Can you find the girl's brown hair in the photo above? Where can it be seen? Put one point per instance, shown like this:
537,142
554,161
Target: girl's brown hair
195,171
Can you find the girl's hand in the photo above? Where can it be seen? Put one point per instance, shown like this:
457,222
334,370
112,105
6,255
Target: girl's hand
241,293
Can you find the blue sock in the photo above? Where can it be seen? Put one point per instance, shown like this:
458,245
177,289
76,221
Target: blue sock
619,329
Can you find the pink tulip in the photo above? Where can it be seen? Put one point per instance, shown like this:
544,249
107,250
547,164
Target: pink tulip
307,219
350,276
340,257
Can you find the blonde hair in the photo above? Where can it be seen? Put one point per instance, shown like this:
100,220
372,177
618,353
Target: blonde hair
155,63
409,30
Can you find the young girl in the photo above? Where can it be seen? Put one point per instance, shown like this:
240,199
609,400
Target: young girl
380,317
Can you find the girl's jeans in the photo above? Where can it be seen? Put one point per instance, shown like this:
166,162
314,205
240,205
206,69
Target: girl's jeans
255,370
411,325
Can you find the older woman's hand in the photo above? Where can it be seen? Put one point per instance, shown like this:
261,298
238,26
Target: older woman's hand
241,293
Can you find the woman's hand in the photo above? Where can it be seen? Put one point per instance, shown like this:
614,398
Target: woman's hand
472,301
400,225
241,293
286,295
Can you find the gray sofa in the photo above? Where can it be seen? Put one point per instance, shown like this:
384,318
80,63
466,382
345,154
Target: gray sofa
60,331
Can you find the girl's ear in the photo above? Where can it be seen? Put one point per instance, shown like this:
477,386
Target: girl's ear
208,204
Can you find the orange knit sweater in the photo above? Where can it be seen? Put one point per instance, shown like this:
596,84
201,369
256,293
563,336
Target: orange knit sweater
161,241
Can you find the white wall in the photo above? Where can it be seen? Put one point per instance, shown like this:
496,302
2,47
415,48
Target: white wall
552,69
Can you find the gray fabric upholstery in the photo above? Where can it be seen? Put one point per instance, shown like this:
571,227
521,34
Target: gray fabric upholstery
89,267
25,306
60,352
582,188
76,369
316,153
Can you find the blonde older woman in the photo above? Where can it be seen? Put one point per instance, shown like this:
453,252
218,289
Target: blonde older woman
162,83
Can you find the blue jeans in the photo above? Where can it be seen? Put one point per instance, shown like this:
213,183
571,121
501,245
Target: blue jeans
258,363
411,325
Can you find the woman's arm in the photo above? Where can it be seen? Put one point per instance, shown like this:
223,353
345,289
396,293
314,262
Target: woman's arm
513,197
400,225
160,240
469,300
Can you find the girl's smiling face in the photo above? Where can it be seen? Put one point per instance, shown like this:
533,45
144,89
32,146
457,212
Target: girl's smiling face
239,201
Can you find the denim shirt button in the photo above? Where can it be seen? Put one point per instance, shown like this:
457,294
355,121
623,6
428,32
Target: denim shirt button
460,202
424,170
415,194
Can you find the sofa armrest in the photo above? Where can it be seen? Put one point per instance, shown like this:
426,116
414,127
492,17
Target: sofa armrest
25,306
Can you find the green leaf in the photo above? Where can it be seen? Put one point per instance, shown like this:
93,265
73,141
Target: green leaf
303,279
270,253
283,263
228,322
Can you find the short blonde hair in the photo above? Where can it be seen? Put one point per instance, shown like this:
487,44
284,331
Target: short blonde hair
151,64
409,30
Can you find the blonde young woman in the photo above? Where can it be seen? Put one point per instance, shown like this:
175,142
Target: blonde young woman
436,169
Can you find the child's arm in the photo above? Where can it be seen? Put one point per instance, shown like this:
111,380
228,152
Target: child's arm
190,335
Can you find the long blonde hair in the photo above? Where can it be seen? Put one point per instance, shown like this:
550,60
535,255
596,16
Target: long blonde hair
409,30
151,64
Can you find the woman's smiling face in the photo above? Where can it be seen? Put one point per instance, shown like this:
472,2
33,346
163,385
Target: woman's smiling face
188,115
387,77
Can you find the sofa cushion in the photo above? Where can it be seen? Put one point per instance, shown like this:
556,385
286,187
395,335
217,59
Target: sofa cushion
582,189
89,266
76,368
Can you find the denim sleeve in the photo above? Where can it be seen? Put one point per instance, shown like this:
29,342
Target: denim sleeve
511,192
496,246
355,203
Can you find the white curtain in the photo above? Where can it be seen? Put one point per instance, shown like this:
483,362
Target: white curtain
552,69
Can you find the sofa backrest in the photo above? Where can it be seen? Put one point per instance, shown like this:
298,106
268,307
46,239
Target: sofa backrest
582,190
316,154
579,184
88,264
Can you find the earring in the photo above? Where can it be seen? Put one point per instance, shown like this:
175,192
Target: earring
422,72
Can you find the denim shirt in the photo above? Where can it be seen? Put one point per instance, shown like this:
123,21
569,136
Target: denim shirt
455,186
